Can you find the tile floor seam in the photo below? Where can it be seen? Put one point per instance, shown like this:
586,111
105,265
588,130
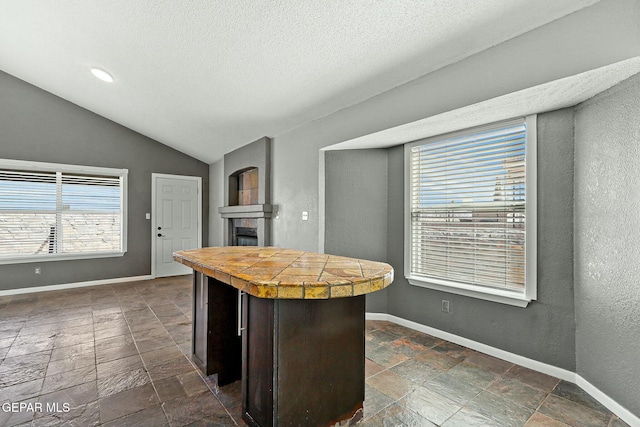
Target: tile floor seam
146,368
452,415
95,356
380,410
214,394
162,406
539,406
225,408
96,364
580,404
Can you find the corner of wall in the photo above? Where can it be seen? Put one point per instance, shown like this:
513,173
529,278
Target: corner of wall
607,303
216,199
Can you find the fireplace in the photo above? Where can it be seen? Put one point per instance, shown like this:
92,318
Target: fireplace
247,209
244,232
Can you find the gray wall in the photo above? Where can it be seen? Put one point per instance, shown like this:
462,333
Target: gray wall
216,200
356,209
607,242
545,330
598,35
38,126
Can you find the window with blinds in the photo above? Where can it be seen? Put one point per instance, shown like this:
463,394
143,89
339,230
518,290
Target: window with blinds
469,209
50,211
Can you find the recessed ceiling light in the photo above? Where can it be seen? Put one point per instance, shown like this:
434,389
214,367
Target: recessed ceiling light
102,75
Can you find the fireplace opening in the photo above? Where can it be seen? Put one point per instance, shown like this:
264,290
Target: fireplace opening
244,232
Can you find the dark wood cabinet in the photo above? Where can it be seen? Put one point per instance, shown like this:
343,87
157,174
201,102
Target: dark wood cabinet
301,353
301,361
216,344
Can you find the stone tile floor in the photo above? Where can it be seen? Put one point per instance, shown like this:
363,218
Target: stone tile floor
117,355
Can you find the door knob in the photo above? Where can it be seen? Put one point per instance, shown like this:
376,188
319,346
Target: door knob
159,228
160,235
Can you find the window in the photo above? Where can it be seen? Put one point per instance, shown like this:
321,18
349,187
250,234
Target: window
53,211
470,222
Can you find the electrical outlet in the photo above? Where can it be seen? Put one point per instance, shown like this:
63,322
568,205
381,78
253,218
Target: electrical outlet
445,305
38,271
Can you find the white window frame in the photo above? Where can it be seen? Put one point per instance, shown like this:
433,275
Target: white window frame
520,299
65,168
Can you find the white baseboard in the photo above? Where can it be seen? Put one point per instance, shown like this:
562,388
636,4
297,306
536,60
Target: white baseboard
74,285
535,365
623,413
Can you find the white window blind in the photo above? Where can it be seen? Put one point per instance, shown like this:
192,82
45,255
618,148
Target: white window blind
60,211
467,202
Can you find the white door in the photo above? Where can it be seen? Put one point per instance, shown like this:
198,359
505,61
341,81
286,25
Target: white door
176,224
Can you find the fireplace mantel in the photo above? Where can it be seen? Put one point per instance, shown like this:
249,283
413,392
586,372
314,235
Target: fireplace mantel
246,211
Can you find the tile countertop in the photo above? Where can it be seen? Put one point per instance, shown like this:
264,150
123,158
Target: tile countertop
276,273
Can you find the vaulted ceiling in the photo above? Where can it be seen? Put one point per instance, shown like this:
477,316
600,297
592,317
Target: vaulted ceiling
206,77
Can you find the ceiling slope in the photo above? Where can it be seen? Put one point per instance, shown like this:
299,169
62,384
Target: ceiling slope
208,77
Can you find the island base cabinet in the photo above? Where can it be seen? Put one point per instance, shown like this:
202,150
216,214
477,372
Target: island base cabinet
303,361
216,344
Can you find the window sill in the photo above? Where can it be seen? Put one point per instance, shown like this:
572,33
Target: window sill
488,294
62,257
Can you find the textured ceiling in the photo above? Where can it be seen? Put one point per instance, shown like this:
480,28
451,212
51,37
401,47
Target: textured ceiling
206,77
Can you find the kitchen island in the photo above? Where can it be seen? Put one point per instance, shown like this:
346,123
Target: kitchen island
289,324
